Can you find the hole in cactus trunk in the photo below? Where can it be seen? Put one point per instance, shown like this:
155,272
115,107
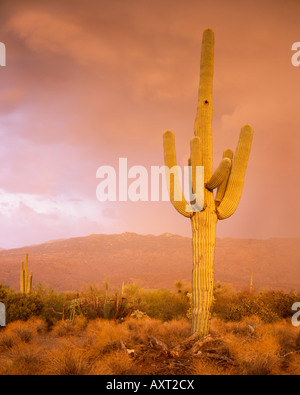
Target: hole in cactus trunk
206,102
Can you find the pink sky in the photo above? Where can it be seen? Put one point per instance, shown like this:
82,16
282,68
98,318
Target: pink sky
89,82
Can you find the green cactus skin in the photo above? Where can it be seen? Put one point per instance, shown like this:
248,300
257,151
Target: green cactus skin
228,178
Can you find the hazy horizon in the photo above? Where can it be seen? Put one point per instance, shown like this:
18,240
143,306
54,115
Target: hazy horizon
86,83
140,234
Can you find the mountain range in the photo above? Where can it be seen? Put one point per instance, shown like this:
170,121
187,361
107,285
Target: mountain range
152,261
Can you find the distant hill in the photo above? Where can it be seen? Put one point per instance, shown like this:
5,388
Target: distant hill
154,261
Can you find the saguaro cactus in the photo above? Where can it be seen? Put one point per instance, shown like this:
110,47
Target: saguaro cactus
228,179
25,282
251,283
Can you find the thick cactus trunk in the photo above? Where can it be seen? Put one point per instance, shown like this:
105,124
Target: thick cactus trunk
204,235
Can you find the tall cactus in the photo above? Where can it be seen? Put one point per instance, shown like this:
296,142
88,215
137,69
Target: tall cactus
228,179
25,282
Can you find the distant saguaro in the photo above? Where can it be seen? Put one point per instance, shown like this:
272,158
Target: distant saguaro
25,282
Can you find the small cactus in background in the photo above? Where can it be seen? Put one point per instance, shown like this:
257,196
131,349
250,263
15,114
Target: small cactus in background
25,282
228,180
251,283
106,289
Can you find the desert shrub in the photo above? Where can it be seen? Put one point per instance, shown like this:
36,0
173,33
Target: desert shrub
205,368
164,304
270,306
285,333
69,328
24,359
114,363
111,307
7,341
243,328
26,331
248,347
140,330
248,308
91,291
293,367
4,292
41,303
279,302
173,332
22,307
67,360
18,332
259,355
38,326
63,329
52,303
104,333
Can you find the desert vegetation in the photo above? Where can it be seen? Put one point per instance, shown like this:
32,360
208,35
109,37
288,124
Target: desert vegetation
142,331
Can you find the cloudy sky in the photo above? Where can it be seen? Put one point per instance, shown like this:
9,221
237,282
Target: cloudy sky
88,82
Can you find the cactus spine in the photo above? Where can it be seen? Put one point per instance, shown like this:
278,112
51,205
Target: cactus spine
228,178
26,283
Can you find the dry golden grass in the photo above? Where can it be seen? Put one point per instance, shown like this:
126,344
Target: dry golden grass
254,356
7,341
258,348
249,347
204,368
171,332
114,363
293,365
24,359
21,331
67,360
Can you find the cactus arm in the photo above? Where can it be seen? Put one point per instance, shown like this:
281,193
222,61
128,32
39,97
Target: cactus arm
236,179
228,154
174,185
222,188
219,175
